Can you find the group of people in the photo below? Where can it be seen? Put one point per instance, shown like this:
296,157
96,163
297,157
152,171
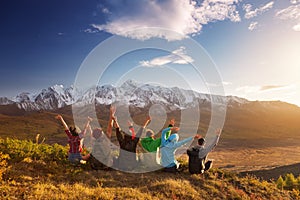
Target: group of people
161,150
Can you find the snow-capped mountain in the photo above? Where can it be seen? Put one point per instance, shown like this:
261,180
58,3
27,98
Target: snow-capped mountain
130,93
5,101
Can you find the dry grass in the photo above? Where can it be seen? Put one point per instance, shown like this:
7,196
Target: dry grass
37,178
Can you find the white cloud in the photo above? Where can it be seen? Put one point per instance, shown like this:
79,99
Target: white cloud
226,83
105,11
248,89
89,30
291,13
263,88
177,56
253,25
296,27
295,1
138,18
250,13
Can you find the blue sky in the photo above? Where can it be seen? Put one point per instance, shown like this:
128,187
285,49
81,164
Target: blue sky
254,44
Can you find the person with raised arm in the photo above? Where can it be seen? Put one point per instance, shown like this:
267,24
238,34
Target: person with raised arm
101,154
168,150
127,159
198,163
150,143
75,135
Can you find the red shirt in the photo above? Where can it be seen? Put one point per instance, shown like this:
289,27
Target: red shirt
74,142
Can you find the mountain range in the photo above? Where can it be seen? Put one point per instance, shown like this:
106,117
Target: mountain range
130,93
247,123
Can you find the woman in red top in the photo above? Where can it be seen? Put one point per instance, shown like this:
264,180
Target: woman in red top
74,139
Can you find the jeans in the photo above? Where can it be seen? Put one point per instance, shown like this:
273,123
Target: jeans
74,157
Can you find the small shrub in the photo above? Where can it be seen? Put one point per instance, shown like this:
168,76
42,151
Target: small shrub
18,150
280,183
3,164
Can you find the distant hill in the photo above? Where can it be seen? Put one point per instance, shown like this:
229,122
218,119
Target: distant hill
274,173
248,123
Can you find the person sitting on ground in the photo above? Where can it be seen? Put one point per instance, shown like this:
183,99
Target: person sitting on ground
168,160
127,159
198,154
150,143
74,139
101,154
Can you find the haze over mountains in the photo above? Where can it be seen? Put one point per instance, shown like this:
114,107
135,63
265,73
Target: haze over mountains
130,92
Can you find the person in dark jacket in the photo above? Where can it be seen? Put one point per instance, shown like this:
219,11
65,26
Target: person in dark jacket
127,159
198,154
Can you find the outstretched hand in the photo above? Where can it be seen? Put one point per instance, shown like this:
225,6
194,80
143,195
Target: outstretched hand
148,118
129,123
172,122
175,129
58,117
89,119
112,110
197,136
219,131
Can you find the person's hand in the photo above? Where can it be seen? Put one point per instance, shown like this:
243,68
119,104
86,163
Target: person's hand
89,119
148,118
112,110
218,131
58,117
172,122
175,129
129,123
197,136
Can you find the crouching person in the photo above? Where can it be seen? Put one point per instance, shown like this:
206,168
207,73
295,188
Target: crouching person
168,160
198,163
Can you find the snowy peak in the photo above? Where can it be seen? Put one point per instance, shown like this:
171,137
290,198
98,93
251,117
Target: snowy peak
5,101
129,93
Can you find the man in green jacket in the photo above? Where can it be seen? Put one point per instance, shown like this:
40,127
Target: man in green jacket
151,144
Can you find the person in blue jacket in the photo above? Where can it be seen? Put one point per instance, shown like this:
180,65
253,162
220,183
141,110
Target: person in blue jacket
168,150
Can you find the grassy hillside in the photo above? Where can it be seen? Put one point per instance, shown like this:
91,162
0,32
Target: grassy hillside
29,170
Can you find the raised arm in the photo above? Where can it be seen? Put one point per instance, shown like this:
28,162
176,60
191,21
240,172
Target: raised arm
112,111
209,148
59,117
139,133
131,129
182,142
86,126
148,120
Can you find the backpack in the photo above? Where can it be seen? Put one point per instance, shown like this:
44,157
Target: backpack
196,164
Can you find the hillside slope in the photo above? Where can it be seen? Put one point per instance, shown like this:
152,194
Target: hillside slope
48,175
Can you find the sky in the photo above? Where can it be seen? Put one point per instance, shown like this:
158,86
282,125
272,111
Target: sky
251,46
